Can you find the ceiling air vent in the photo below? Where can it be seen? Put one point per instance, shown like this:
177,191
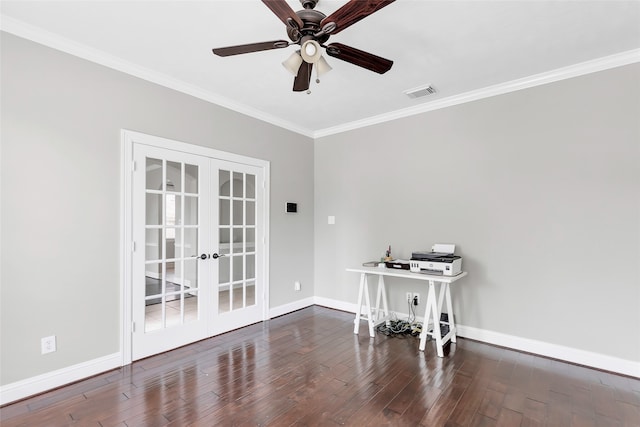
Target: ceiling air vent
419,92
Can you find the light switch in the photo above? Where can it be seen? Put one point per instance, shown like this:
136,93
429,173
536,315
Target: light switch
331,220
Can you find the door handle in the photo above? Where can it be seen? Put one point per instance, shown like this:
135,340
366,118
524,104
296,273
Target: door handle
203,256
216,256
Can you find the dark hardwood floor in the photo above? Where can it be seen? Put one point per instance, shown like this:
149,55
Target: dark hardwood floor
308,368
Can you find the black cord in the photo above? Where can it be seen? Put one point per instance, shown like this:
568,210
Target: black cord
412,312
402,328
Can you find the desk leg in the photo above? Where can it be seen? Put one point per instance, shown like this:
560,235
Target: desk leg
384,300
441,295
425,322
367,299
452,323
381,295
432,313
356,327
378,297
364,292
437,333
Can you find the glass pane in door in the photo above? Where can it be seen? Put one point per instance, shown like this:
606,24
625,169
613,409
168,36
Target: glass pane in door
250,241
190,216
225,183
153,179
251,293
250,271
251,212
171,244
191,179
174,176
238,184
238,240
250,186
223,299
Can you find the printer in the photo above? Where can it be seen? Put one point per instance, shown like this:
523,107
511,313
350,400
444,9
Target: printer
440,261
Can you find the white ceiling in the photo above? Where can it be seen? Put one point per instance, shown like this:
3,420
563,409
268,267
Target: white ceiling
464,49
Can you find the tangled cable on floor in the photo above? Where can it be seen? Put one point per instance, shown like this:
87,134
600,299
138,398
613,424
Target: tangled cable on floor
402,328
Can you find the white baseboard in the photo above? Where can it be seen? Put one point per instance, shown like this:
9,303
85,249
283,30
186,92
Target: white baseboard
41,383
555,351
290,307
338,305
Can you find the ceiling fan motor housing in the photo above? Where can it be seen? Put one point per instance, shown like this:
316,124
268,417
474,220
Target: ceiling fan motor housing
309,4
311,20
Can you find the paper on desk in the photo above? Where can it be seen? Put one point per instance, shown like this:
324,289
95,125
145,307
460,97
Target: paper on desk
445,248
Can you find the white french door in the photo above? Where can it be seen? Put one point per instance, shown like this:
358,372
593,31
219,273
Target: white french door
198,262
237,230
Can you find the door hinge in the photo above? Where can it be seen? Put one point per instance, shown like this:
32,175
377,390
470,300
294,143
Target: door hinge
133,326
133,246
133,166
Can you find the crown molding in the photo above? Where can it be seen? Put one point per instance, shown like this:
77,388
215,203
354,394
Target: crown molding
582,68
55,41
38,35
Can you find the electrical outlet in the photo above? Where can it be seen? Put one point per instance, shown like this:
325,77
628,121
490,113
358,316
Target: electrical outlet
416,299
296,286
409,297
48,344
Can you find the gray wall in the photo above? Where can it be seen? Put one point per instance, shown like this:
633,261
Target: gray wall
61,122
539,189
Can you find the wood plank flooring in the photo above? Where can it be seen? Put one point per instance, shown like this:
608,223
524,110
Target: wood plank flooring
308,369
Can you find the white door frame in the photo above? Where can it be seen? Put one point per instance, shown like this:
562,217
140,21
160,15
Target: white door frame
128,139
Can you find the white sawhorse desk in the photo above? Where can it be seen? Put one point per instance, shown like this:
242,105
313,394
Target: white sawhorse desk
376,315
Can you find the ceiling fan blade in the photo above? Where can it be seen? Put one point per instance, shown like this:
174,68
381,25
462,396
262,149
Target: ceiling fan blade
251,47
284,12
352,12
302,80
359,57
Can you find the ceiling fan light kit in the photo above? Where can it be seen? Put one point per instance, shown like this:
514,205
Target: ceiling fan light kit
311,51
322,68
310,29
292,64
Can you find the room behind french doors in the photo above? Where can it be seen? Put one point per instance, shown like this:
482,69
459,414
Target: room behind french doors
197,264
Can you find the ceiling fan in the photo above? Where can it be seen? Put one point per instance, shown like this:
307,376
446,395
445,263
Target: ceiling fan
310,29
